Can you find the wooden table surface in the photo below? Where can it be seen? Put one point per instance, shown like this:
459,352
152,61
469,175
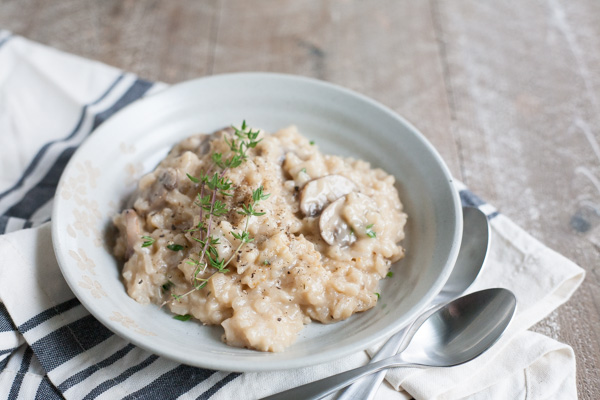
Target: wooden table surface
508,92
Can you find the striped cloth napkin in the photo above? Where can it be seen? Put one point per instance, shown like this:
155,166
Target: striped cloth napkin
52,348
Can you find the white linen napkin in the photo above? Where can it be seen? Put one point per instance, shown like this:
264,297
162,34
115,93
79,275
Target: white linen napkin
50,347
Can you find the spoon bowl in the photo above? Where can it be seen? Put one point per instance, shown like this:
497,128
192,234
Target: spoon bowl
471,256
454,334
462,329
470,261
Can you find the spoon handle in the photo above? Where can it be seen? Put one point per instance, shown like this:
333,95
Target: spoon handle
366,387
318,389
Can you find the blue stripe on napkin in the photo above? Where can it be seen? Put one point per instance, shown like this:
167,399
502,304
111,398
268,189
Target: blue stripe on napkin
172,384
8,351
138,90
36,159
6,324
87,372
69,341
49,313
16,386
4,362
469,199
208,394
41,193
104,386
47,391
3,223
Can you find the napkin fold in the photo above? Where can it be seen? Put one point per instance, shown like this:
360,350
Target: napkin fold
525,364
52,348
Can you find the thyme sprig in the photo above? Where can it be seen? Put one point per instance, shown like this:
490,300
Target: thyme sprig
211,185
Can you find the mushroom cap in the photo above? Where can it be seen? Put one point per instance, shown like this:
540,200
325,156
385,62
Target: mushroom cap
347,218
319,192
333,227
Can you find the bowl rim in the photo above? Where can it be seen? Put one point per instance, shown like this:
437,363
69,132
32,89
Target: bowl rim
313,359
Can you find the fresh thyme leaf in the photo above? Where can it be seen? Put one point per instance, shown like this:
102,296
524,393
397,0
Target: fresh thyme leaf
244,237
217,263
199,227
266,262
217,159
370,232
175,247
303,170
258,195
389,274
312,142
378,296
148,241
183,318
193,179
200,286
203,201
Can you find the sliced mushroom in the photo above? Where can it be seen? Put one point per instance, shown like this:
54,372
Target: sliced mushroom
318,193
157,192
347,218
334,229
204,145
169,179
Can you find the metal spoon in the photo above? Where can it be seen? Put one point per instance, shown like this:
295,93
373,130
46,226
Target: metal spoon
456,333
471,257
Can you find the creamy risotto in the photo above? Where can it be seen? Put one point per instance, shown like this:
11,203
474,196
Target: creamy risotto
263,243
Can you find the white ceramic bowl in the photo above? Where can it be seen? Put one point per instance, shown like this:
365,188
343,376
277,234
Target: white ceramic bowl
102,173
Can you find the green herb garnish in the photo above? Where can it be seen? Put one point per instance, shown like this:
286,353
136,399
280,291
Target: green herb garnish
148,241
175,247
176,297
370,232
184,318
389,274
193,179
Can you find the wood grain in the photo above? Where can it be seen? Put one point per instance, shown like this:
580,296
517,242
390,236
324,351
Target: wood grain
525,107
508,92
